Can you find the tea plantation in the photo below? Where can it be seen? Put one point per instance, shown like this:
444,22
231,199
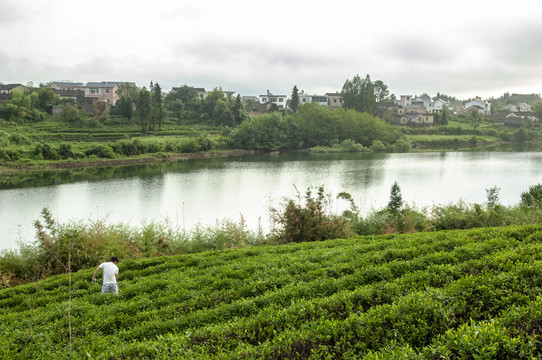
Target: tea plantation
471,294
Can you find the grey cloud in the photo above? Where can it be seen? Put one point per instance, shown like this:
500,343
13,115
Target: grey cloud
10,13
424,50
521,46
261,55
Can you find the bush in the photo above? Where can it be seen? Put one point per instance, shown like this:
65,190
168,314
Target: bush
402,145
533,197
102,151
189,145
66,152
9,154
45,151
310,222
378,146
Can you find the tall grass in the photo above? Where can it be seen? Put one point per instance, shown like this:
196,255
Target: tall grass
86,243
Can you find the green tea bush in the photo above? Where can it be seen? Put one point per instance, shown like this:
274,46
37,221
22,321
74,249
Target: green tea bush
102,151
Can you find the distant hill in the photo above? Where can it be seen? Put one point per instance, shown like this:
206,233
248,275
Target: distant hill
449,294
506,99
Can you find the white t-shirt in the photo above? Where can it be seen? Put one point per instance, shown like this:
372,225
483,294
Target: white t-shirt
110,270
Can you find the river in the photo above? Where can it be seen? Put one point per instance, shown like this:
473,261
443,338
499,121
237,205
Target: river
188,193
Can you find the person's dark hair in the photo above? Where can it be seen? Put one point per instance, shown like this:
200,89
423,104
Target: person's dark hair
114,259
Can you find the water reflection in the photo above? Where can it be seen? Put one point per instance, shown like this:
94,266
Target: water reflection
192,192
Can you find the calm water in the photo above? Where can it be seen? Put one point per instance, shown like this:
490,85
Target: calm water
203,191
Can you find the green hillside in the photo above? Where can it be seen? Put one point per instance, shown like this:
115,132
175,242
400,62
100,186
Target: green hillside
456,294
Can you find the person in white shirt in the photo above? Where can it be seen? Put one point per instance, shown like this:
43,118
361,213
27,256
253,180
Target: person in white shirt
111,272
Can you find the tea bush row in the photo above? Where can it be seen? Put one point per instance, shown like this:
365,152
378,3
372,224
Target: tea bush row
339,299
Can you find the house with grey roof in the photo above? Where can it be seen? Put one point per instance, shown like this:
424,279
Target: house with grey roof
334,100
280,100
66,85
6,90
105,91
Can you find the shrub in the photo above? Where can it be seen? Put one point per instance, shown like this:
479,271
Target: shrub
533,197
402,145
189,145
102,151
45,151
9,154
378,146
309,222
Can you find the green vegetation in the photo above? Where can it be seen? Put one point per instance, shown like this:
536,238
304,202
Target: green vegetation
448,294
306,218
145,125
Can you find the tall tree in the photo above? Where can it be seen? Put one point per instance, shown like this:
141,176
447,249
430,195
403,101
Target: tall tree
396,203
359,94
126,107
239,113
158,112
537,109
294,100
127,96
381,91
144,107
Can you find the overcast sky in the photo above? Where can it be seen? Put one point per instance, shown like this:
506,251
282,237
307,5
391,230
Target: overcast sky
460,48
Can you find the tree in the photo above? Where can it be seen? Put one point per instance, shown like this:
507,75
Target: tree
126,107
381,91
493,197
396,202
158,111
294,101
533,197
359,94
46,99
273,108
239,113
537,110
476,119
222,115
177,107
71,114
445,115
144,107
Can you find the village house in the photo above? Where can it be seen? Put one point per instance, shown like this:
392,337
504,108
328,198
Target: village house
415,119
334,100
306,98
105,91
514,118
200,92
482,106
521,107
67,85
280,100
439,105
6,90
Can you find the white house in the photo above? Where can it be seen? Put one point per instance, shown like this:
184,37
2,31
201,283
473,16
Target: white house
280,100
521,107
483,104
439,105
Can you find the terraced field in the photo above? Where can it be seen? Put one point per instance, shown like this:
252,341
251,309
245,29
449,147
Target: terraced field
457,294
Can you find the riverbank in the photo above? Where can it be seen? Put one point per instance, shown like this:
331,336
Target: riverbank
17,174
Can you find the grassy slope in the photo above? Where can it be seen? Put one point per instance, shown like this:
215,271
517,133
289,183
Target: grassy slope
451,293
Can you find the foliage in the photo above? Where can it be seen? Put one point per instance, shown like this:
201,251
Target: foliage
456,294
72,114
294,100
157,108
363,94
309,222
533,197
144,108
396,200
